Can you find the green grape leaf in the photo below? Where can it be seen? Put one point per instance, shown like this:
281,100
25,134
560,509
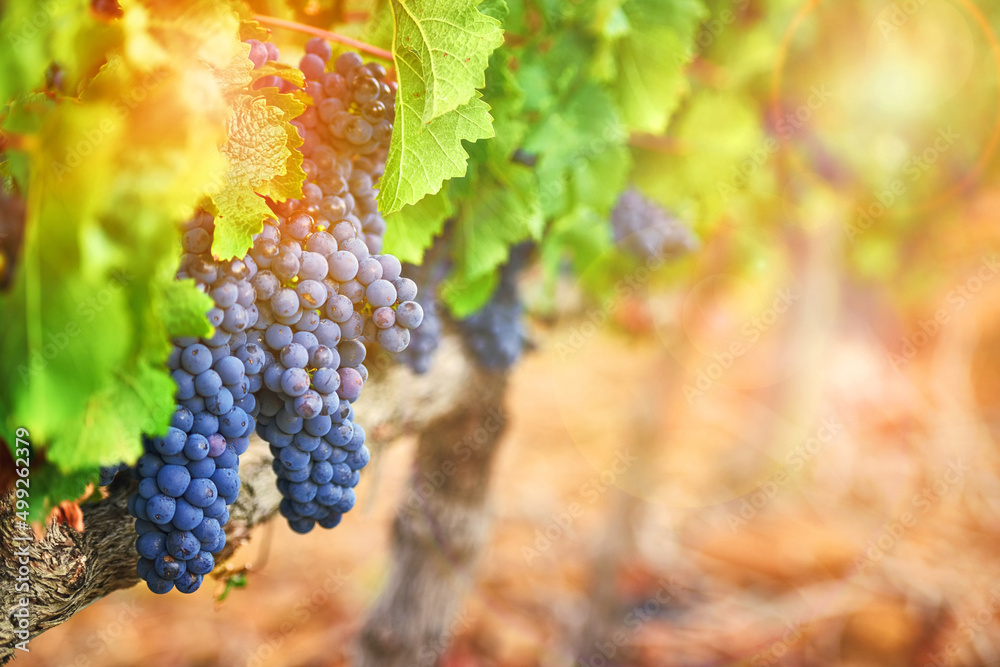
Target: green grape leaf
505,211
464,296
39,32
650,57
577,136
59,485
239,213
497,9
143,400
110,176
599,180
440,50
183,306
583,236
452,41
411,230
507,101
421,157
715,132
261,162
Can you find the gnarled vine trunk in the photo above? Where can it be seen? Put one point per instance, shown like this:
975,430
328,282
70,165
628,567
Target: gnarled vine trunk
439,532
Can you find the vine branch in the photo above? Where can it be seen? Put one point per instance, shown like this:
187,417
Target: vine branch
325,34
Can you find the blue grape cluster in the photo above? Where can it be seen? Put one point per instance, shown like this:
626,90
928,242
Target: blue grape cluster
646,230
324,291
495,333
190,475
426,337
291,323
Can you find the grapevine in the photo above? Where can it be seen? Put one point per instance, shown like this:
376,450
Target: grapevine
260,236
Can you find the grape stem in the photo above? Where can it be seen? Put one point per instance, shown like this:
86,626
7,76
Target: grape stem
325,34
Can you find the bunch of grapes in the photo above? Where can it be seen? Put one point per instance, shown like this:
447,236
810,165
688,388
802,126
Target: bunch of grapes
323,291
190,475
425,338
292,320
646,230
495,333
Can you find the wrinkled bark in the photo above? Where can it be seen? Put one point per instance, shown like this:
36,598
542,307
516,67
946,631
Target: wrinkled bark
68,570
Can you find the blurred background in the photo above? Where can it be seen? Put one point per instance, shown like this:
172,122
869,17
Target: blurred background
778,450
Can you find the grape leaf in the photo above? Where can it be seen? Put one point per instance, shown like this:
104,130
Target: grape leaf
183,306
504,211
465,296
37,33
261,162
250,28
575,137
507,101
598,180
59,485
440,50
286,72
411,230
649,59
237,74
110,175
716,131
583,236
452,41
423,157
